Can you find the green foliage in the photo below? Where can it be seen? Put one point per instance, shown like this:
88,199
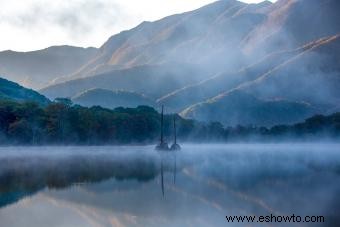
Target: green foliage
111,98
62,123
13,91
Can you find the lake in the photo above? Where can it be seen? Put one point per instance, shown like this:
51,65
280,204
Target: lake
198,186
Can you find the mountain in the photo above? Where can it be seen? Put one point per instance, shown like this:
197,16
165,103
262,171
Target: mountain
36,69
286,51
293,23
309,73
312,76
111,99
222,36
209,36
313,66
13,91
238,107
151,80
225,81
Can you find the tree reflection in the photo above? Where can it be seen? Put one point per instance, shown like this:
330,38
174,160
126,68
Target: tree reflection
21,177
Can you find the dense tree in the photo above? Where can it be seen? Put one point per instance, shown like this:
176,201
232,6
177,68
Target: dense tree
63,123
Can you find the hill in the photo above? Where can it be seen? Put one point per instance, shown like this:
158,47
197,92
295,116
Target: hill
151,80
111,99
240,108
13,91
36,69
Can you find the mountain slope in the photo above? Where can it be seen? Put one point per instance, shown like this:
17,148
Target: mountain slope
37,69
13,91
151,80
224,35
287,51
208,36
222,82
111,99
293,23
310,75
238,107
319,58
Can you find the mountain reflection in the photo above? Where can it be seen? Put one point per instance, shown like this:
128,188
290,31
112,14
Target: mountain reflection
24,176
136,186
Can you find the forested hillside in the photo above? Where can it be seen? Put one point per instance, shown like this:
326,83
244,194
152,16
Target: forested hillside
62,124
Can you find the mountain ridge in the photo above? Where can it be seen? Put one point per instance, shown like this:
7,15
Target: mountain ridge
288,51
13,91
111,99
159,41
251,85
238,107
38,68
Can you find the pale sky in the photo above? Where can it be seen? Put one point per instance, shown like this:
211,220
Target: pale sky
35,24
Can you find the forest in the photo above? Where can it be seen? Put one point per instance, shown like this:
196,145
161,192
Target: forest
62,123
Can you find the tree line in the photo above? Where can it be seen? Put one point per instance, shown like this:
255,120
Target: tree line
62,123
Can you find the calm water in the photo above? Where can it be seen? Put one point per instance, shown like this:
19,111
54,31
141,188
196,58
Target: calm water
136,186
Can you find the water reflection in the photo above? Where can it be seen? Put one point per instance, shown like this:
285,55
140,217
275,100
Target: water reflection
135,186
167,158
23,174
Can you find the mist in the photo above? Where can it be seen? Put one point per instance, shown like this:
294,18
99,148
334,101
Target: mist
201,184
198,63
193,62
250,92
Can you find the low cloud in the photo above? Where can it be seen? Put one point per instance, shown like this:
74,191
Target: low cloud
38,23
34,24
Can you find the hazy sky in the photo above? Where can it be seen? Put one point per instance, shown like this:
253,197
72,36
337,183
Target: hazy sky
35,24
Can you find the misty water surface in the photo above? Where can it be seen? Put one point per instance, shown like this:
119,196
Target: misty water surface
136,186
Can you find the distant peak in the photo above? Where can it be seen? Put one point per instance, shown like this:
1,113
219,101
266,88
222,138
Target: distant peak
264,3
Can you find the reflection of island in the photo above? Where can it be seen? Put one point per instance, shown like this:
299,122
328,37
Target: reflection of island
21,177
